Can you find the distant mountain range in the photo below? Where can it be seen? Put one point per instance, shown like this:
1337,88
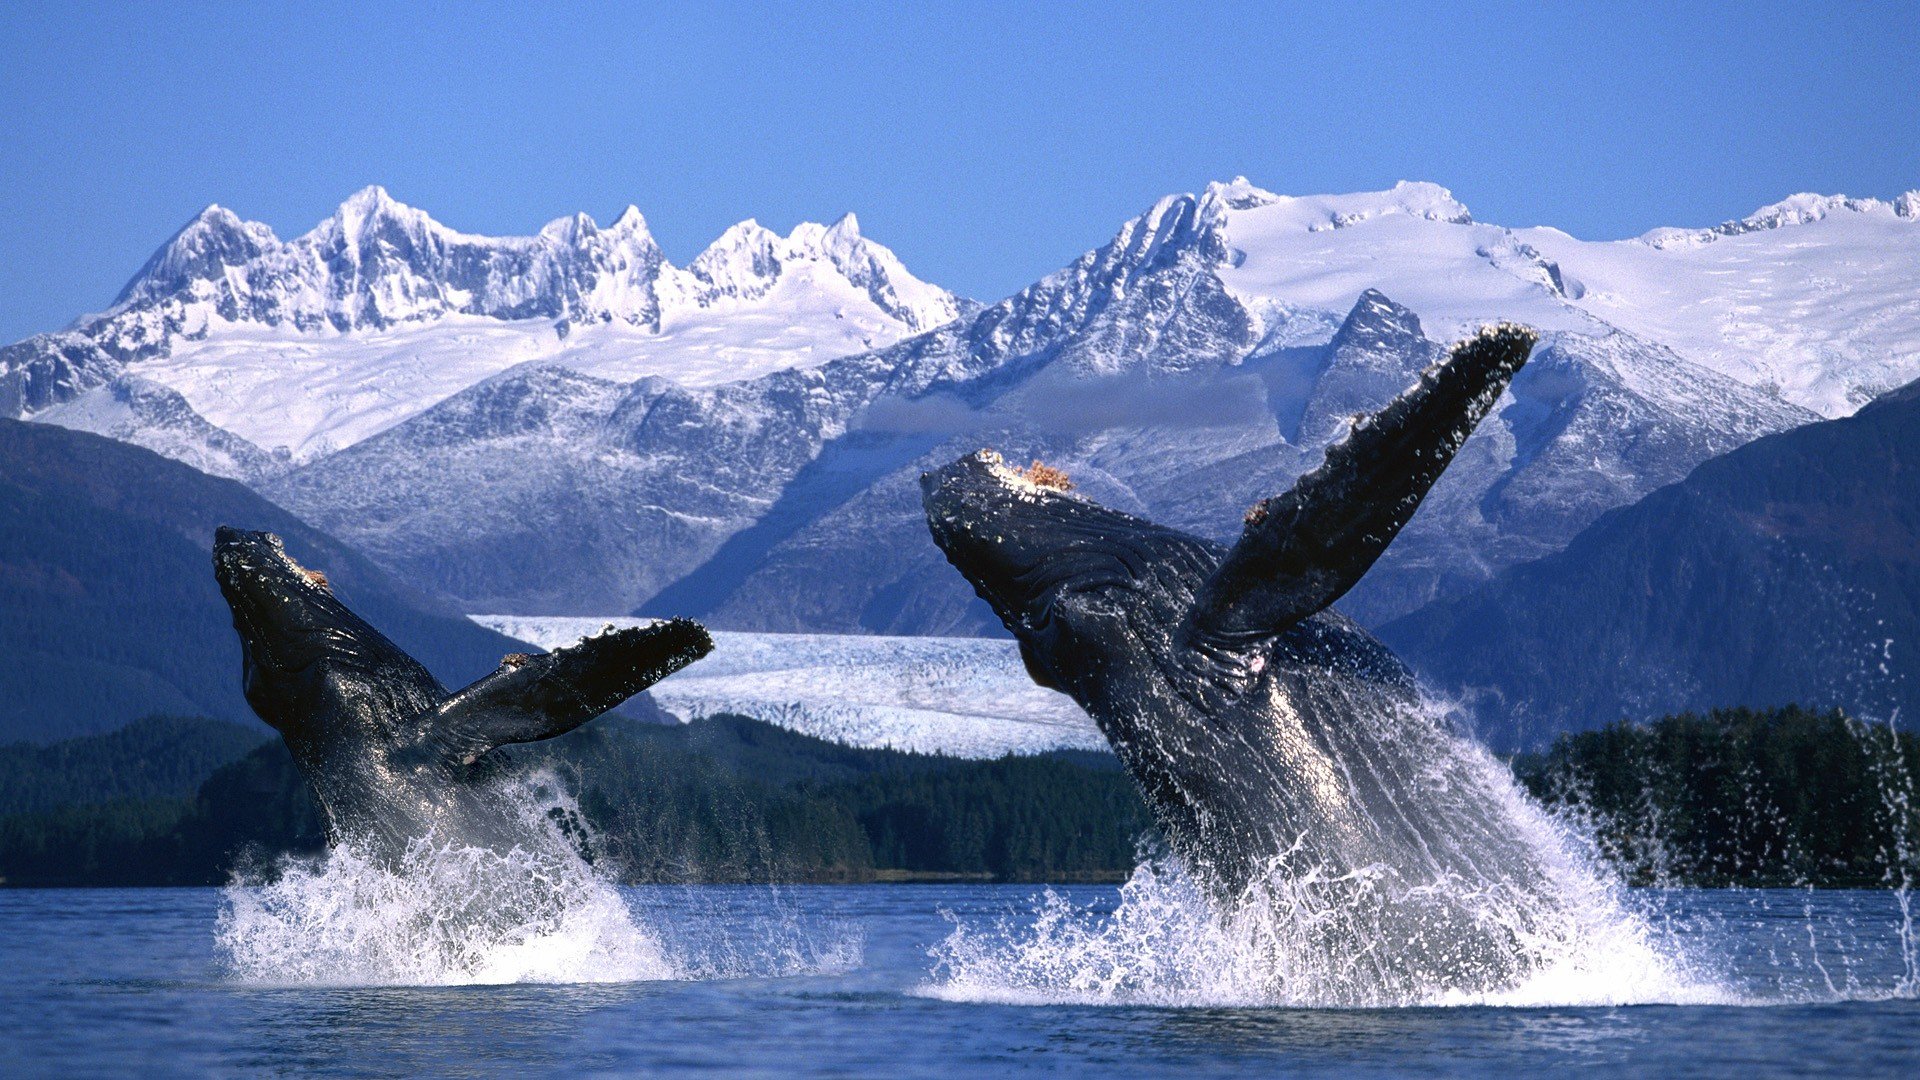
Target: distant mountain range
108,606
1785,571
306,346
567,424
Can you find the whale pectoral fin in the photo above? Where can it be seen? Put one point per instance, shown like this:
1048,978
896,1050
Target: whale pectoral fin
1303,550
550,694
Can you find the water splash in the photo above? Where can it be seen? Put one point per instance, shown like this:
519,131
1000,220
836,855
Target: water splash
445,914
1900,850
1168,943
1499,903
1570,934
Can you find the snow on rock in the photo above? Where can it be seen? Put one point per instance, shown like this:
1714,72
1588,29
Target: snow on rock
1169,369
962,697
145,413
313,344
1809,299
486,428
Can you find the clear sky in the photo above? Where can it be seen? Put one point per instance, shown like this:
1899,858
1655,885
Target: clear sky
987,144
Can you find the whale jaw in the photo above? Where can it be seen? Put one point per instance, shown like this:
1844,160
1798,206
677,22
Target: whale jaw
1075,582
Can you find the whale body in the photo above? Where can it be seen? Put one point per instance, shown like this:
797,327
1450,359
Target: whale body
1285,753
390,754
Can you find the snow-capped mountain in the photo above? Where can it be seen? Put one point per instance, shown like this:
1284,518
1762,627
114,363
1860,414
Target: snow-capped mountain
309,345
1198,361
1809,299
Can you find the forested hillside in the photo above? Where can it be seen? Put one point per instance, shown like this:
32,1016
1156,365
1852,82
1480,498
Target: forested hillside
1787,570
724,799
108,606
1786,796
1745,797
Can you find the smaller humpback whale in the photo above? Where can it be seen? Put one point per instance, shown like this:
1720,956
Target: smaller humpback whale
390,754
1277,743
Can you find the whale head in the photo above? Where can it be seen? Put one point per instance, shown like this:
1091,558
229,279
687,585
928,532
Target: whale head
1084,588
304,652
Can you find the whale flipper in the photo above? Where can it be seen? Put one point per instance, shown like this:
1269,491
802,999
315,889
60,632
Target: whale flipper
550,694
1303,550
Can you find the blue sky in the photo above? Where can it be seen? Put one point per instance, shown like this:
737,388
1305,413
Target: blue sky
987,144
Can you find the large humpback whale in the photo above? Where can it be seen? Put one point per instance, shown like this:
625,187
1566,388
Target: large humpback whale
1283,750
390,754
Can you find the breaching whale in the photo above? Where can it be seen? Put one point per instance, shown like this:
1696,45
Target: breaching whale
390,755
1283,750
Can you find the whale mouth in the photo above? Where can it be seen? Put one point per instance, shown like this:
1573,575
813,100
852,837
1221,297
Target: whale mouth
1000,530
1027,545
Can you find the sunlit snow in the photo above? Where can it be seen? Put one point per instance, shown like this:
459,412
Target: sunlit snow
964,697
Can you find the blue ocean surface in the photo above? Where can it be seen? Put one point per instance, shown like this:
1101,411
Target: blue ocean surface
861,980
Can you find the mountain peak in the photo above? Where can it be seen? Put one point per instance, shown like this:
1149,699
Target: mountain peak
1803,208
1238,193
370,206
214,214
1376,322
368,199
570,229
214,239
630,221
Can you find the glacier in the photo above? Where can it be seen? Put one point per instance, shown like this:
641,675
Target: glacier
961,697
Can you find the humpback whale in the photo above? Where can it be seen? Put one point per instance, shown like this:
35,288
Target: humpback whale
390,755
1284,752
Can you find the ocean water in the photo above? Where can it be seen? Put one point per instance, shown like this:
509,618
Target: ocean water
894,980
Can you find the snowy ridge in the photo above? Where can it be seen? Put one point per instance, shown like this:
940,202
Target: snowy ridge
1809,299
1794,210
962,697
1197,361
312,344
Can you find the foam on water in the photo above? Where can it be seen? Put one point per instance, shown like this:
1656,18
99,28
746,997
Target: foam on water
1168,943
447,914
1306,936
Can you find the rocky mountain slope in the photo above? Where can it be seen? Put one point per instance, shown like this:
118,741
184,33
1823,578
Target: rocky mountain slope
1785,571
1199,360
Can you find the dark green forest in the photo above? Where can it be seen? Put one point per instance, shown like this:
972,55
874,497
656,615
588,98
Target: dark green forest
1763,797
1733,797
722,799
